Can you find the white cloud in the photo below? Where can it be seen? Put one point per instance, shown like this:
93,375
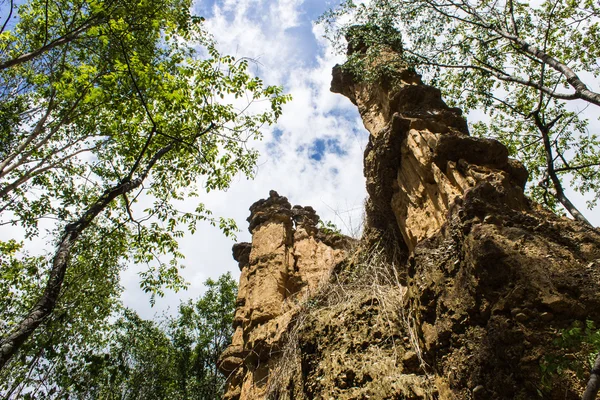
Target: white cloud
273,32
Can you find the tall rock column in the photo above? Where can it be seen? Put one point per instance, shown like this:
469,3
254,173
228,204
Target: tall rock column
287,260
487,295
420,159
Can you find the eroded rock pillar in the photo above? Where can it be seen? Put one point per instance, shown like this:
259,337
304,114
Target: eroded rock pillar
287,260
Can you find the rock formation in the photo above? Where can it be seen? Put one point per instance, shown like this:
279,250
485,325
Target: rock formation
477,303
287,260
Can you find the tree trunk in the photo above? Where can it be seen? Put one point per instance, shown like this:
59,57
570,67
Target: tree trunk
11,343
594,383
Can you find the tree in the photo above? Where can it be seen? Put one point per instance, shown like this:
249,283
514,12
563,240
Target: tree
133,358
105,104
529,68
200,333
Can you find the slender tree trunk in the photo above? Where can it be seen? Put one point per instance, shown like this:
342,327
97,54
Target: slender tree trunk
593,385
11,343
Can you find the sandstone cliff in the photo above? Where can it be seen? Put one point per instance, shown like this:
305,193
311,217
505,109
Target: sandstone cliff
287,260
461,288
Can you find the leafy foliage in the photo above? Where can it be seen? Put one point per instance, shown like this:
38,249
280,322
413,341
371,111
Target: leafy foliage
111,113
329,228
132,358
202,330
582,344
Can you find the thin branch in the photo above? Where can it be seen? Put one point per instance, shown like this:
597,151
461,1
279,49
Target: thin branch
143,101
9,16
512,16
577,167
11,343
35,171
502,75
67,38
5,168
560,194
581,89
37,130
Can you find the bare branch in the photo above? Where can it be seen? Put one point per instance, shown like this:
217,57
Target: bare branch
512,17
5,168
502,75
593,386
37,130
560,194
8,17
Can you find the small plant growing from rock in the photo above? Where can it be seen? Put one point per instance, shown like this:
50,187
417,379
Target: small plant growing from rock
328,228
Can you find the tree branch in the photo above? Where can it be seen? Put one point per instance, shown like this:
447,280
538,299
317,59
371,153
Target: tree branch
593,386
12,4
35,171
37,130
581,89
560,194
11,343
67,38
499,74
576,167
6,167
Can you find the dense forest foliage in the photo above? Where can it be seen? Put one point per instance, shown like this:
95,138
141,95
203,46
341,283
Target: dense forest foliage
132,358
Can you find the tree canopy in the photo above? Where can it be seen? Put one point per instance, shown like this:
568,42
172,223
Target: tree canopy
132,358
110,112
529,68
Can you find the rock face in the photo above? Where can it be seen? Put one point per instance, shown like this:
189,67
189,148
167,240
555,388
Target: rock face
477,305
420,159
287,260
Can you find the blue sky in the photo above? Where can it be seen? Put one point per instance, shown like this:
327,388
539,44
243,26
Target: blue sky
314,154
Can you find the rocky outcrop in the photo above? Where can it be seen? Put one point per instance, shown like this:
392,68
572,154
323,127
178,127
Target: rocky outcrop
287,260
420,159
488,295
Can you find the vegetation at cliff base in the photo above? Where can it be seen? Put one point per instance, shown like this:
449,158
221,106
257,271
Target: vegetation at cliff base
174,357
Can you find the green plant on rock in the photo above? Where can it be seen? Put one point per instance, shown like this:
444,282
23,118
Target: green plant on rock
366,45
328,228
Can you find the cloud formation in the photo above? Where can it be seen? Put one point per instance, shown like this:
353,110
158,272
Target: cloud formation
313,155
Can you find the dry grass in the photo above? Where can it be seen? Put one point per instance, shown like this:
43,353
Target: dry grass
366,271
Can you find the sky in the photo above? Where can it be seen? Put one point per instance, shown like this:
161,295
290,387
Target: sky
313,155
